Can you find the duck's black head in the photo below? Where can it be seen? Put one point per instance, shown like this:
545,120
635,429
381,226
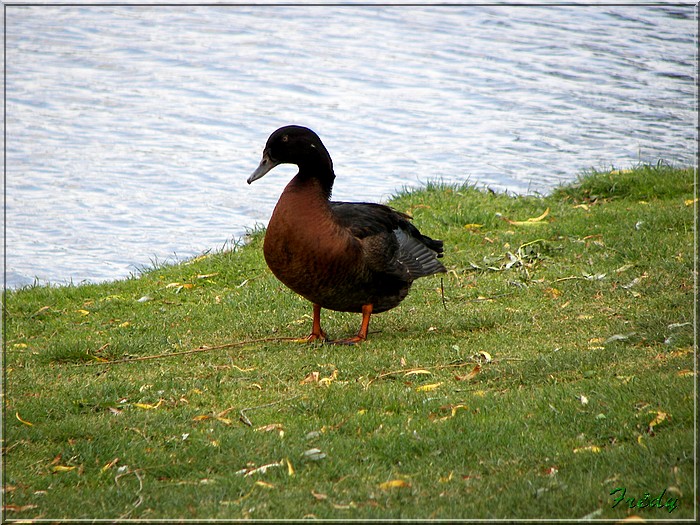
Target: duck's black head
296,145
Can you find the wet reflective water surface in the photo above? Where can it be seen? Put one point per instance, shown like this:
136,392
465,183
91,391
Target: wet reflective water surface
131,130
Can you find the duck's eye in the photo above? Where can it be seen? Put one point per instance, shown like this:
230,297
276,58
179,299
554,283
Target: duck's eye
285,138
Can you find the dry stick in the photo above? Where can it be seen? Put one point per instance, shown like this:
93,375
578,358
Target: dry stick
405,370
247,421
138,492
567,278
436,367
194,351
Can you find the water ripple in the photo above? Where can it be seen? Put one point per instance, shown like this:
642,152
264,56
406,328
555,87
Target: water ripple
131,129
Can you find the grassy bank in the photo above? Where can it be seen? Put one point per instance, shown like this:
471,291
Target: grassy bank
558,367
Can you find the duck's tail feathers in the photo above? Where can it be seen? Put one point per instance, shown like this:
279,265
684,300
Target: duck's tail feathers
418,253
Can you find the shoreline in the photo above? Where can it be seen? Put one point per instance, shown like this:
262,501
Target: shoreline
174,259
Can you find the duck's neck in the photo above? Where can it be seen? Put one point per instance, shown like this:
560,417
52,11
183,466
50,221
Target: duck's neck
319,167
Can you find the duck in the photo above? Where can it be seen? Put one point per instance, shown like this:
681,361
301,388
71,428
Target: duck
359,257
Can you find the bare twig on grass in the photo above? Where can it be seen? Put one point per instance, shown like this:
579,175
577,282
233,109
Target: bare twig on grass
193,351
244,419
140,496
436,367
406,370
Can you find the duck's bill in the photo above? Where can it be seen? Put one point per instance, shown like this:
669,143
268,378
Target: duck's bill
266,164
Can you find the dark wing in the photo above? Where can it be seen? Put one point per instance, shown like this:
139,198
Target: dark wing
391,243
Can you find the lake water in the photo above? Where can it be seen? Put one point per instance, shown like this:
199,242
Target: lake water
131,130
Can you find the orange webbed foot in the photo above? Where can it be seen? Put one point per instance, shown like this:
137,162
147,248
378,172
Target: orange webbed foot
349,341
364,328
315,337
317,333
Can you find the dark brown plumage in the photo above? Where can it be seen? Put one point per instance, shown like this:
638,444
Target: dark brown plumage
349,257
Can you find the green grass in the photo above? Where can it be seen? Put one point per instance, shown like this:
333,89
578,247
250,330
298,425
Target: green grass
560,367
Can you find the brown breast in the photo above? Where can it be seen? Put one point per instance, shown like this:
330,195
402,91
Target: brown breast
308,251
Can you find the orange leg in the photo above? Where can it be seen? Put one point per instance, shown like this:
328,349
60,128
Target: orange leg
364,328
316,332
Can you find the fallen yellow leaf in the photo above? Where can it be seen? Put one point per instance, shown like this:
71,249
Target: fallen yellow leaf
589,448
457,407
393,484
315,377
453,410
417,372
325,381
63,468
472,227
265,484
198,258
553,292
41,310
179,286
445,479
290,468
269,428
539,218
658,419
110,464
470,375
22,420
485,355
595,343
624,268
428,388
530,221
690,202
83,312
146,406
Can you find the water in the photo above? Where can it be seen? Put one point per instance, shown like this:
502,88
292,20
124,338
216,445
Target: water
131,130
